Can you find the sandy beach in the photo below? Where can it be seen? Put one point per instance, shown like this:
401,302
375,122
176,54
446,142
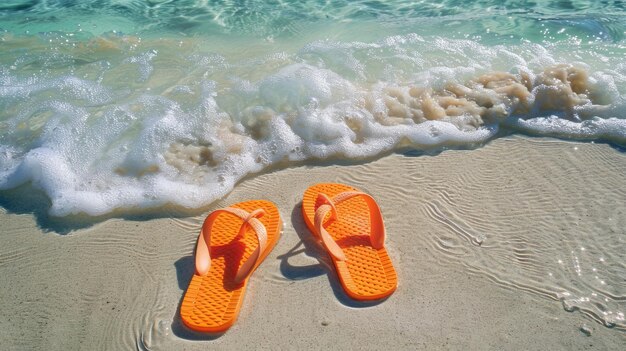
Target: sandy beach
475,236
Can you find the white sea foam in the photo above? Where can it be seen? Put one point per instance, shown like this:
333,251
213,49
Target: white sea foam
119,122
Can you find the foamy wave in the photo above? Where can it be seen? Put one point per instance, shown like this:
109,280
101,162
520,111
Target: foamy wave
135,125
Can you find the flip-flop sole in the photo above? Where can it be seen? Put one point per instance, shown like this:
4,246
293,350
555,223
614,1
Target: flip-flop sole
367,273
212,302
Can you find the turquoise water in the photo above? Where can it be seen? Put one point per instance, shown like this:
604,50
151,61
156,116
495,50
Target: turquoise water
116,105
134,104
531,20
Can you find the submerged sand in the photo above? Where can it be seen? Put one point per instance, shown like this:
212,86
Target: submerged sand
475,235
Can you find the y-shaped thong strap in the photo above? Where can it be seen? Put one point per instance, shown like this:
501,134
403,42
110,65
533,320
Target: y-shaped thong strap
325,204
203,256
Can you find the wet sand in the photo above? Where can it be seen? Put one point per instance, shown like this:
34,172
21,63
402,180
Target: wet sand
475,236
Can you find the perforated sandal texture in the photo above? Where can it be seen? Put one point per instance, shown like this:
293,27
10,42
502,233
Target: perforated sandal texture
214,296
367,272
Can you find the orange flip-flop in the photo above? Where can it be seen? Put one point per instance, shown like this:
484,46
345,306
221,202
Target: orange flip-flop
350,226
233,241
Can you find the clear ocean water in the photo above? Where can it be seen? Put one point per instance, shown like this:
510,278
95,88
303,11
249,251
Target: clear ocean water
134,104
112,105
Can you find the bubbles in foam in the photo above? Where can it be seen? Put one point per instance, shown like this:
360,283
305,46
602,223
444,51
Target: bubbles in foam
155,125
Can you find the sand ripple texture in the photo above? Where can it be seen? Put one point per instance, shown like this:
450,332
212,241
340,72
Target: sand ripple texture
523,213
528,214
68,297
552,228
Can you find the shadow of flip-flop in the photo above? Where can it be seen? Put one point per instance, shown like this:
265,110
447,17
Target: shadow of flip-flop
293,272
313,248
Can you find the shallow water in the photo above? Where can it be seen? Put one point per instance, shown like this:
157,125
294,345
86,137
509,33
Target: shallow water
123,105
551,228
131,104
531,203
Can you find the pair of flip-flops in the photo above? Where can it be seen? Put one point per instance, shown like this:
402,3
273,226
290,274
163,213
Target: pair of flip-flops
233,241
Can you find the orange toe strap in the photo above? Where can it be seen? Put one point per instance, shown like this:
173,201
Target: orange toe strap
324,205
203,256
